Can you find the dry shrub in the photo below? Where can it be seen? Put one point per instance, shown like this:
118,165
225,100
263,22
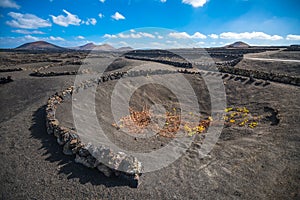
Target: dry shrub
138,121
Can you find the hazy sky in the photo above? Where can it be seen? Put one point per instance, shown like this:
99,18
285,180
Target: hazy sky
173,22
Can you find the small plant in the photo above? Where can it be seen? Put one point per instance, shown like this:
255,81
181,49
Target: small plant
240,116
138,121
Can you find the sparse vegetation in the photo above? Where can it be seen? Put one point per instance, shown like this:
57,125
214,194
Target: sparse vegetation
138,121
240,116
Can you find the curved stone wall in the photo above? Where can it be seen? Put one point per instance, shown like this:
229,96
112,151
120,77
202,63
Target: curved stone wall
227,67
39,72
230,60
168,62
11,70
86,154
4,80
47,74
281,78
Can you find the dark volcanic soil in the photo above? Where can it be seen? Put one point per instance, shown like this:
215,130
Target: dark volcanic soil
260,163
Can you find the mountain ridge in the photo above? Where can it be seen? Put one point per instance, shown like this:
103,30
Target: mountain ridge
39,45
43,46
238,44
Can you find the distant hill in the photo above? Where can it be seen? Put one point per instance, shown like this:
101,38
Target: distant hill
125,49
238,44
42,45
87,46
39,45
92,46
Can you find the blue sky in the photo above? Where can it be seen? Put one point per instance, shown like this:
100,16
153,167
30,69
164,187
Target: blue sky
174,23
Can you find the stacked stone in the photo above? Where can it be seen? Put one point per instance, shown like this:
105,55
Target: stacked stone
47,74
4,80
109,162
185,71
281,78
168,62
116,75
238,51
72,62
112,76
60,63
11,70
225,55
235,59
230,62
102,158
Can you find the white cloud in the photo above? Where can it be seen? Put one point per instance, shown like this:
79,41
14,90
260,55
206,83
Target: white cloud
92,21
117,16
213,36
26,21
9,4
29,37
184,35
100,15
198,36
195,3
80,37
56,38
148,35
65,21
293,37
249,36
27,32
163,1
132,34
102,1
158,35
109,36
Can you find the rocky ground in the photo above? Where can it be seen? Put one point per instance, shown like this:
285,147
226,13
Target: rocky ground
261,163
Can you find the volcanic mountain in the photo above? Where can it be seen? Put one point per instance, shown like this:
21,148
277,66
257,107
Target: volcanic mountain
39,45
92,46
238,44
125,49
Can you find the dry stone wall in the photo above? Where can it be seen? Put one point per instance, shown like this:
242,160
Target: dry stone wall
168,62
39,72
91,156
11,70
47,74
281,78
4,80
